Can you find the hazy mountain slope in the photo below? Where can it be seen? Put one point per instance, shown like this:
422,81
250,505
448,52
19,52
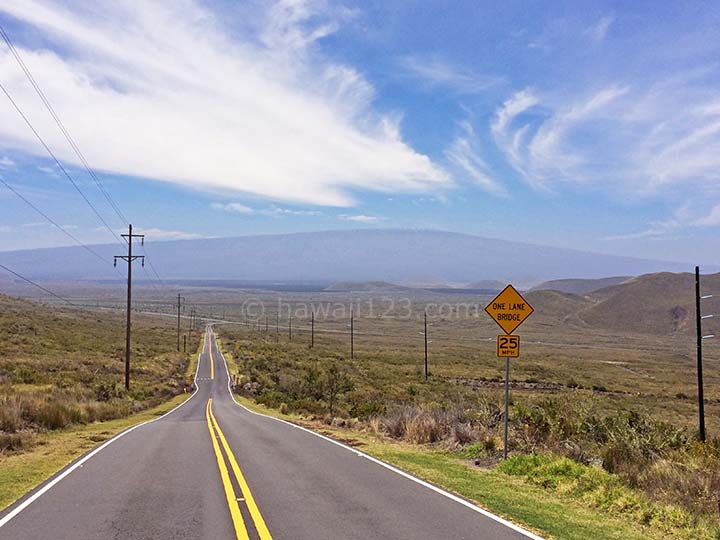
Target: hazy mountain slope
580,286
403,256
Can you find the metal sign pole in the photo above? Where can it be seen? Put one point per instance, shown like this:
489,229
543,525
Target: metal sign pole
507,406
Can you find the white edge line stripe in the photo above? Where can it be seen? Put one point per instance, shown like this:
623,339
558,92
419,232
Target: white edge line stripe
44,489
392,468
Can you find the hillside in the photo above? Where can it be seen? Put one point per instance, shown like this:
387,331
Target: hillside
60,367
661,304
391,255
580,286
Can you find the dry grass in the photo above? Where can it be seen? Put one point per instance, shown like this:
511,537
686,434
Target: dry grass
61,367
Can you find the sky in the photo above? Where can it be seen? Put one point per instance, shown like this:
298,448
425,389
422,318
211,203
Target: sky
592,125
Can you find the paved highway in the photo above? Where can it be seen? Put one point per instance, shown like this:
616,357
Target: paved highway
211,469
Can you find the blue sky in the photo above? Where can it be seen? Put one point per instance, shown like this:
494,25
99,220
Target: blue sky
593,126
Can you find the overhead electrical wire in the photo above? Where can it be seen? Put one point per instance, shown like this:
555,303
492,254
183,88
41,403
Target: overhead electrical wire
75,148
31,282
61,125
54,223
57,162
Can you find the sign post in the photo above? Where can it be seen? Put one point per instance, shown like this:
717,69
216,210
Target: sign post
509,310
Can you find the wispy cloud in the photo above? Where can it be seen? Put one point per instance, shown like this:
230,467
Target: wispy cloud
276,211
262,109
6,163
435,72
50,171
167,234
599,30
236,207
711,219
618,138
361,218
464,154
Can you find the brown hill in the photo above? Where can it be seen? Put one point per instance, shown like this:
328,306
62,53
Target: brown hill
556,307
659,304
580,286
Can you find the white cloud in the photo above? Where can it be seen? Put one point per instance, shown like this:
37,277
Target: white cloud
232,207
437,72
619,138
166,91
50,171
464,155
6,163
152,234
276,211
361,218
599,30
711,219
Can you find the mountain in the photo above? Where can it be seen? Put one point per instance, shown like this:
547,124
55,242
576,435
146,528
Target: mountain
399,256
579,286
661,303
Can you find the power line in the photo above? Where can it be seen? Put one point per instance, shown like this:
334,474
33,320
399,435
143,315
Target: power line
57,161
69,139
31,282
60,124
53,222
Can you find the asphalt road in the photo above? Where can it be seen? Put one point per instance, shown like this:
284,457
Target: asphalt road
210,469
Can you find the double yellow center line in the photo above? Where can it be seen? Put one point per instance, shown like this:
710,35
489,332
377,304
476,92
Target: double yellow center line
212,363
241,532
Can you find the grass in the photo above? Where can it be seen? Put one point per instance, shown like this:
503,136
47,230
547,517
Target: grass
61,390
19,473
63,367
540,493
653,469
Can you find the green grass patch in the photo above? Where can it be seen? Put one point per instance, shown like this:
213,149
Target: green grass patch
554,497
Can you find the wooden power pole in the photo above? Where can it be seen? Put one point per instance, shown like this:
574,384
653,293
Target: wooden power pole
178,320
129,258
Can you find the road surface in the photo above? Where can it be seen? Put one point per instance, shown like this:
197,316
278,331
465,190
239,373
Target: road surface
213,470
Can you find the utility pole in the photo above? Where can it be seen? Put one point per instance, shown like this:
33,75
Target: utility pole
352,335
178,320
277,327
426,348
184,343
266,324
290,327
698,321
129,259
312,329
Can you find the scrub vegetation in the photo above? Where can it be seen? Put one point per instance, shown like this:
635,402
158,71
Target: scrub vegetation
602,418
61,368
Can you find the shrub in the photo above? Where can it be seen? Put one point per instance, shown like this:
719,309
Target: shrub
11,414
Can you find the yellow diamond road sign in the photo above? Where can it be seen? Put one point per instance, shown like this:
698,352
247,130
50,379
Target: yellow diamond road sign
509,309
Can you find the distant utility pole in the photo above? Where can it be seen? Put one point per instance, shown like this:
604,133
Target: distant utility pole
352,335
129,258
312,329
184,343
277,327
179,298
698,321
426,348
266,324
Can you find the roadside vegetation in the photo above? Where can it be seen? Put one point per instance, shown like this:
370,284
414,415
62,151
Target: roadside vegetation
61,368
582,446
